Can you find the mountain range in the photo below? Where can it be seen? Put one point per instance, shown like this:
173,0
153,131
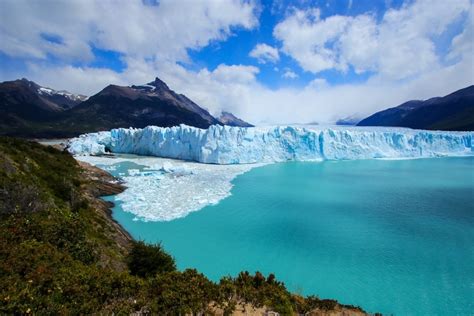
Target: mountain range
30,110
454,112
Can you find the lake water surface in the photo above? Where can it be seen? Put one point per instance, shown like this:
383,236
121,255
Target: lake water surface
390,236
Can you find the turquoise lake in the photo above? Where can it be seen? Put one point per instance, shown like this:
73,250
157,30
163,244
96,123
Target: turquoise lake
395,237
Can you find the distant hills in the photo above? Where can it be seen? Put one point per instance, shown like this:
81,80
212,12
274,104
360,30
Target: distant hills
454,112
22,101
30,110
230,119
349,120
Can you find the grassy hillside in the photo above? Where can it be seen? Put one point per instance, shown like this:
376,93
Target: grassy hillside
61,253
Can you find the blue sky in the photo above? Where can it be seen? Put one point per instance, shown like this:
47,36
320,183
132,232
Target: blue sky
236,49
268,61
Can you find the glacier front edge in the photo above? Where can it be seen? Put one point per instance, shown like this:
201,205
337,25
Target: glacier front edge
239,145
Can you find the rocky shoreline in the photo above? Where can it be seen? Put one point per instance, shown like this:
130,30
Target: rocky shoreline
101,183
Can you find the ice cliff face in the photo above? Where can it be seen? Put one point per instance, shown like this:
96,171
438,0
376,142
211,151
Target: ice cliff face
237,145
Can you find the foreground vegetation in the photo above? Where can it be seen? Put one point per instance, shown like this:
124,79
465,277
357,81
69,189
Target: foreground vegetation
60,252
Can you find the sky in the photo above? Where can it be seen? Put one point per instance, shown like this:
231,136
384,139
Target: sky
268,62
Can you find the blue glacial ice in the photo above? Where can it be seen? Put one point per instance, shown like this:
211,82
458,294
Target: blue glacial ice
238,145
171,189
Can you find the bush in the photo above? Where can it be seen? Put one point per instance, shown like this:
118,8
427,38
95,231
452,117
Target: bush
146,260
179,293
259,291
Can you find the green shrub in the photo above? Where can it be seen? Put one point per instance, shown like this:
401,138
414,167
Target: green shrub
146,260
259,291
178,293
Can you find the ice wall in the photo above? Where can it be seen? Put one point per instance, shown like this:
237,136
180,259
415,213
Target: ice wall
238,145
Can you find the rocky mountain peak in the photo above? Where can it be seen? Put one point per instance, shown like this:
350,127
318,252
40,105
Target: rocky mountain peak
227,118
159,84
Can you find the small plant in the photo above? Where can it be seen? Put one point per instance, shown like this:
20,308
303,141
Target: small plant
146,260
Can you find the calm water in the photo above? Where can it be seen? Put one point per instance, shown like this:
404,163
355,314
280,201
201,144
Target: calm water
391,236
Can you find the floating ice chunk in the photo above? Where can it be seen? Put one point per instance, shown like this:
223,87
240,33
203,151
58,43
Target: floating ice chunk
133,172
166,167
153,195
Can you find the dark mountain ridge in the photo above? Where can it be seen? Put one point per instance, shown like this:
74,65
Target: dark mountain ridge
454,112
29,110
25,99
137,106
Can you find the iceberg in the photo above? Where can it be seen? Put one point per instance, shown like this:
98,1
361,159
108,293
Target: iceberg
165,189
241,145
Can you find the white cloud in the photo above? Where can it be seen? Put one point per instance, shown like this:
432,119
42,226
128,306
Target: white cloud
318,101
318,84
265,53
462,45
235,73
289,74
236,89
225,88
399,46
83,80
163,31
304,37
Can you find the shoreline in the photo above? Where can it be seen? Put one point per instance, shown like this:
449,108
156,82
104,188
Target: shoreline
102,186
63,247
101,183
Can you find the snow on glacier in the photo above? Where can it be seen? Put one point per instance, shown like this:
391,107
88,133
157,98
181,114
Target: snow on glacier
167,189
240,145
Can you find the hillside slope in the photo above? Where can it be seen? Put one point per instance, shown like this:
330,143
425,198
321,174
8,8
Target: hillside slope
136,106
454,112
230,119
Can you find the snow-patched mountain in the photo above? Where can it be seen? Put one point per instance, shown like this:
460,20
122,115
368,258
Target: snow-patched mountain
26,107
24,95
65,98
237,145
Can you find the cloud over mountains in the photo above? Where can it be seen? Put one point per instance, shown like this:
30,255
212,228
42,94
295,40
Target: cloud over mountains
334,64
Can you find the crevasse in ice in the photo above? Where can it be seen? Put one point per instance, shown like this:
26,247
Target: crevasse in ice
239,145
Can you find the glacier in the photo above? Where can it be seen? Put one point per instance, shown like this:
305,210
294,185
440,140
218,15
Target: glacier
167,189
240,145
